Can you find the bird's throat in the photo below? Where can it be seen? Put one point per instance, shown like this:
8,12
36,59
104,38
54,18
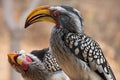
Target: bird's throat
58,25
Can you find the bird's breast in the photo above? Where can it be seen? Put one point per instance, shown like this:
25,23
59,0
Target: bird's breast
65,59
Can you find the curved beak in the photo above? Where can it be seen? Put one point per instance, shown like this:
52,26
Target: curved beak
41,13
13,58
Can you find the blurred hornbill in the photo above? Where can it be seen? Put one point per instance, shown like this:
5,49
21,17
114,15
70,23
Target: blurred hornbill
37,65
68,41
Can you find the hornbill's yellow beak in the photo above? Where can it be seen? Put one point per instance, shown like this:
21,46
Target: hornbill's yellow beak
41,13
13,58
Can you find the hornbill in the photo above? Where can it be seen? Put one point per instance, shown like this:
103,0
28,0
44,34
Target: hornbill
68,42
37,65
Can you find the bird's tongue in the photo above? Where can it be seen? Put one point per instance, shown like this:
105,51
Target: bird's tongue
25,63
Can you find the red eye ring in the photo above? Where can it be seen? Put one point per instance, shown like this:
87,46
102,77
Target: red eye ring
56,13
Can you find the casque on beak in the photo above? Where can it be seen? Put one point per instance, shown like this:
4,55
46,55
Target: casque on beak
39,14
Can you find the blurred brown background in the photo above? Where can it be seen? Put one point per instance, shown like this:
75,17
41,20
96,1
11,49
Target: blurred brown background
101,21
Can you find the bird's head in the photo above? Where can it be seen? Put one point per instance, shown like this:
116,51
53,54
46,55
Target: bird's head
24,62
63,16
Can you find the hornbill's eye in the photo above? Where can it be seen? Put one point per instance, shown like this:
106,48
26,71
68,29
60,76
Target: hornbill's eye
55,13
29,59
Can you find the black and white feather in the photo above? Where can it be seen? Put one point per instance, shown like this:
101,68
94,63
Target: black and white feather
68,40
43,66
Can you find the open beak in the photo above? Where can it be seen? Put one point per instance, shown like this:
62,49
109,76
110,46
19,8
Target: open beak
41,13
13,58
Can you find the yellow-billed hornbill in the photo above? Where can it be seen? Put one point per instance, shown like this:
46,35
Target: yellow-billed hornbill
37,65
68,41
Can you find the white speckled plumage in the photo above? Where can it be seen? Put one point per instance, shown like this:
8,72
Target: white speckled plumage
43,67
70,37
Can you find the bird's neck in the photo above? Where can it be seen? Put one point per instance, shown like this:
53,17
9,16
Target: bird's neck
72,26
35,73
62,52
